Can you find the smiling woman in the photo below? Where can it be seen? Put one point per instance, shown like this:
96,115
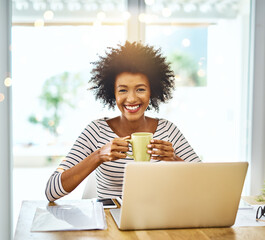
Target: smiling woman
136,78
132,94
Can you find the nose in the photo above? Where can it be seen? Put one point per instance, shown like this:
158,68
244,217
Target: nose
131,98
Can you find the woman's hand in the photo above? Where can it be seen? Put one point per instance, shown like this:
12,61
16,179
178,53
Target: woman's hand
162,150
114,150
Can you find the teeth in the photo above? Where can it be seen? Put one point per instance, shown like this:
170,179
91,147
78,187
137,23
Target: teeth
132,107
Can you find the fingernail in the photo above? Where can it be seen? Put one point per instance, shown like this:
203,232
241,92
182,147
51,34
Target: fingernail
149,151
152,140
149,145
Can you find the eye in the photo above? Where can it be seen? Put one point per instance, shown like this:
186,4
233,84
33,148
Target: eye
122,90
141,90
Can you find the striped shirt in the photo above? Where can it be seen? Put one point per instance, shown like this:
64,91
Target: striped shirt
109,175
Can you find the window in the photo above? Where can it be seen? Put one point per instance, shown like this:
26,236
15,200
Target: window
51,69
208,103
58,40
55,41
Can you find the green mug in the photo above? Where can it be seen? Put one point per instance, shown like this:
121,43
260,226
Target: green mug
139,142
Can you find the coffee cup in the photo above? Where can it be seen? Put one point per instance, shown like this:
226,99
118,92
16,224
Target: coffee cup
139,142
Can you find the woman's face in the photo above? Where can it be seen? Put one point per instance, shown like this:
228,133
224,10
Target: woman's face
132,93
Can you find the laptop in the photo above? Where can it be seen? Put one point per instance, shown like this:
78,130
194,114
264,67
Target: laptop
180,195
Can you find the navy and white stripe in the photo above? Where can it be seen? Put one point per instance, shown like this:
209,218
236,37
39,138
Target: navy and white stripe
109,175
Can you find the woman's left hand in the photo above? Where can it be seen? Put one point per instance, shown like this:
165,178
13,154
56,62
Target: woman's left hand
162,150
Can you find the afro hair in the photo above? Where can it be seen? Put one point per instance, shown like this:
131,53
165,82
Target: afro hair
133,58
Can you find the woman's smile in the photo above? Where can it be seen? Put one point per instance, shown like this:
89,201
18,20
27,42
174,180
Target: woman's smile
132,108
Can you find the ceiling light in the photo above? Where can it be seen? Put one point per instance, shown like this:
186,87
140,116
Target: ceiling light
175,7
39,6
190,7
107,7
56,6
8,82
48,15
91,7
74,6
22,5
205,8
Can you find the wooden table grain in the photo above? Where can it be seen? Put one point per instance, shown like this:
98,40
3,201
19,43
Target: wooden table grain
28,209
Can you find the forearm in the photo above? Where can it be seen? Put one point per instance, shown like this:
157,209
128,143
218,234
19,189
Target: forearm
72,177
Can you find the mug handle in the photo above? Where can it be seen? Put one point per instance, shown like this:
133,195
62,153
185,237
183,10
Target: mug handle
127,154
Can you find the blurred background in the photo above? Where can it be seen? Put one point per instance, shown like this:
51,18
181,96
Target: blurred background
54,42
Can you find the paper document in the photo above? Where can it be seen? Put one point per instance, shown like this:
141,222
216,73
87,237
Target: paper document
69,217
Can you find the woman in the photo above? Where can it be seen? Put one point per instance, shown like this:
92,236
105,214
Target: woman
136,78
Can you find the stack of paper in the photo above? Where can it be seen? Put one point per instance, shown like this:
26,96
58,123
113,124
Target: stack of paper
246,215
86,216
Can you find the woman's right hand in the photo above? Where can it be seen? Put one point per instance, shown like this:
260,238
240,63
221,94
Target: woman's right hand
114,150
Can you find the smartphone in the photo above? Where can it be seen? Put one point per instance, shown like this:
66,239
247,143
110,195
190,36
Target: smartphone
107,202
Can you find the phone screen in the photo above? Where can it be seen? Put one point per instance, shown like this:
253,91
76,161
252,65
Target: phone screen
107,202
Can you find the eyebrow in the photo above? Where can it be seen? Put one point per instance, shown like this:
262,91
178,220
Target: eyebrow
139,85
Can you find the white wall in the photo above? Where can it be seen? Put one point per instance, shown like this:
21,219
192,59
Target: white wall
5,120
257,166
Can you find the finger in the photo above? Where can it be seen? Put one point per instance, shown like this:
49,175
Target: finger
158,141
120,142
157,152
117,155
157,158
127,137
122,138
117,148
160,158
153,151
161,146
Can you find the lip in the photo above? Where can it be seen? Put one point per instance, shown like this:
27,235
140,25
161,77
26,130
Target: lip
132,110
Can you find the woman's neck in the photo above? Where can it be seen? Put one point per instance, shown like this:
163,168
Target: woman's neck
134,126
122,127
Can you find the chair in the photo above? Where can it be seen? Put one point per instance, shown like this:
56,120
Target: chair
90,190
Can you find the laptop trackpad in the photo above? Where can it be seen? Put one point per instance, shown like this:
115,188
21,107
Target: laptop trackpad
116,213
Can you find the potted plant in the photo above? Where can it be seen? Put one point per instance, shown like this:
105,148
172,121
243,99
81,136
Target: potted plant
261,197
188,72
57,91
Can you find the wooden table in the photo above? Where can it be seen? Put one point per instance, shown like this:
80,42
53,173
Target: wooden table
236,232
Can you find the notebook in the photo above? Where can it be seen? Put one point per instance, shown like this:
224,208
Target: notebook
180,195
88,215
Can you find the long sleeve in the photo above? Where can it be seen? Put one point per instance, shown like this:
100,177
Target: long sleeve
85,144
54,188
